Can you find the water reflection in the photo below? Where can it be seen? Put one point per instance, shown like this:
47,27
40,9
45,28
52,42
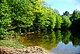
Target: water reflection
57,42
45,40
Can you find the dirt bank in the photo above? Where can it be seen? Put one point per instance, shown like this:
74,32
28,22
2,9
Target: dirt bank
28,50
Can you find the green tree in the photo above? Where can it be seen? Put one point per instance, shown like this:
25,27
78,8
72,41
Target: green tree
52,17
58,21
66,21
66,13
75,15
5,20
75,18
42,20
21,13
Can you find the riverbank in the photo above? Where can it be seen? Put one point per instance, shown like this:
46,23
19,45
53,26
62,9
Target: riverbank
28,50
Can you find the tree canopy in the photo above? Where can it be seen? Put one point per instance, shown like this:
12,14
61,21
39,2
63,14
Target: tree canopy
26,15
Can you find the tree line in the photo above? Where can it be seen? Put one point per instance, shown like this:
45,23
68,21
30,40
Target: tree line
28,15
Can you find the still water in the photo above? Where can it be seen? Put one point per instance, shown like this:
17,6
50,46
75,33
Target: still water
56,42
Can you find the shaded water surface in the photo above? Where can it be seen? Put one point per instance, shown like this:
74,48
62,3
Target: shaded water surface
56,42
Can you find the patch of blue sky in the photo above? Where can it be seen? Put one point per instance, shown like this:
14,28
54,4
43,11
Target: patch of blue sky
64,5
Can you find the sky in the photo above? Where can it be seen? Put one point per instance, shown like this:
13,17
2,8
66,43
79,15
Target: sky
64,5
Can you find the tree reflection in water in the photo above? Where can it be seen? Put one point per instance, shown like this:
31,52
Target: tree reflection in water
49,40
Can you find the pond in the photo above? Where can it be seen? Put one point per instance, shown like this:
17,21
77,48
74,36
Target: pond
56,42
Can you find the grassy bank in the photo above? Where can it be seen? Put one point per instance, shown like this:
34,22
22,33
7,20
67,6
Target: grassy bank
11,42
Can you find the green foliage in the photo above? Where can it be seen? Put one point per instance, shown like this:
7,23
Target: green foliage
66,13
52,16
58,21
75,15
41,20
5,20
2,31
75,18
66,21
22,15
